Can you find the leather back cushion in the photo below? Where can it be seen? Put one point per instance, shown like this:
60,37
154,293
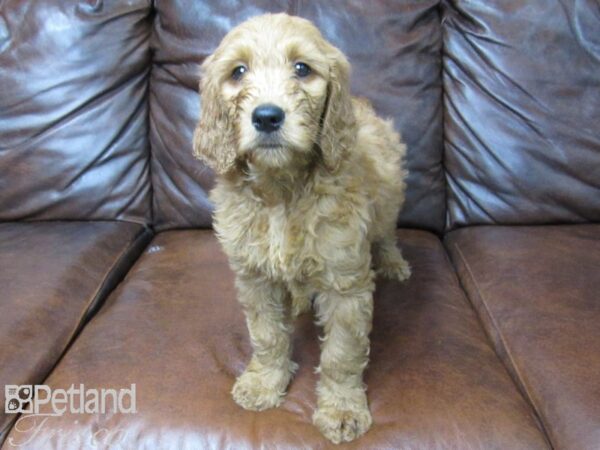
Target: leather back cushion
395,50
73,110
522,111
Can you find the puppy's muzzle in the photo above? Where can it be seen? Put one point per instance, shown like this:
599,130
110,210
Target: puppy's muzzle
267,118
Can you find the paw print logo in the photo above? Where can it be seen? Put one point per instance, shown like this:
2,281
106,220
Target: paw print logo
17,397
13,405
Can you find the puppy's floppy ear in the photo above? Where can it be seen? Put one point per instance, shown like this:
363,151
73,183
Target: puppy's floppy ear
214,136
338,131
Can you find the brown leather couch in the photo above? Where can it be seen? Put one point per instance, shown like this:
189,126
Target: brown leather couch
110,275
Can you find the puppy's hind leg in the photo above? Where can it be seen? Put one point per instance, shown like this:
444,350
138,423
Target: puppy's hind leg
267,308
388,260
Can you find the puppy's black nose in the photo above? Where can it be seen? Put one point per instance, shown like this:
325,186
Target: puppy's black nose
267,118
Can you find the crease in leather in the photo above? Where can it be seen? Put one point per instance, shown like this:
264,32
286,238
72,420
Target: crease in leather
472,177
451,183
90,104
497,100
497,71
446,219
123,128
591,48
498,342
113,276
141,190
171,188
110,10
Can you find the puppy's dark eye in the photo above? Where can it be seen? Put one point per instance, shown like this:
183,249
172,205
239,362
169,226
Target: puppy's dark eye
238,72
302,70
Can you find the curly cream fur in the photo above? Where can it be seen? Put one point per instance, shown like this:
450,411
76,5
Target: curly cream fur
309,213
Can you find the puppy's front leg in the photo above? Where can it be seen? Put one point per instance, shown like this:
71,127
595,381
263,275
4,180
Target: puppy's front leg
343,413
267,308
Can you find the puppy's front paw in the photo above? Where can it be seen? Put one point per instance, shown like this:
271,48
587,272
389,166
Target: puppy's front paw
342,425
257,391
390,264
398,269
402,270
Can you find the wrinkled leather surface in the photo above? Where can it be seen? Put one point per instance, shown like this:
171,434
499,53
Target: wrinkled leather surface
522,108
53,276
174,328
537,291
395,51
73,110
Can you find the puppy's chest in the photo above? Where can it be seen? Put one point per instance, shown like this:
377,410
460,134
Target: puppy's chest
274,241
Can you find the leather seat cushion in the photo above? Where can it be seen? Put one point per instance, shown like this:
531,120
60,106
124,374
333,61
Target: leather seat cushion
537,292
53,276
174,328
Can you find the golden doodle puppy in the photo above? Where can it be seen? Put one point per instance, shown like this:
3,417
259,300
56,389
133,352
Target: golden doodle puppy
309,185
